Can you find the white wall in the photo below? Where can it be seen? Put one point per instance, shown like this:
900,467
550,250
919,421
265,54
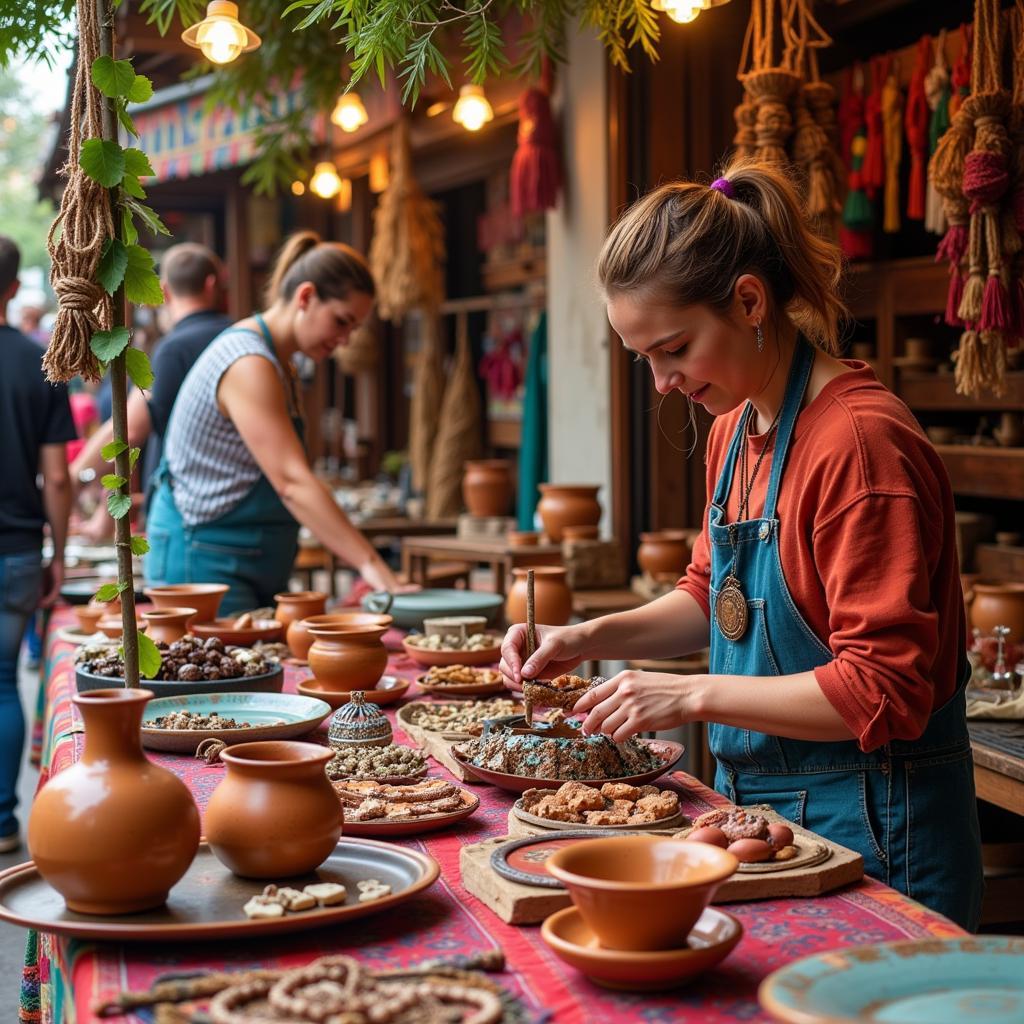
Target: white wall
579,432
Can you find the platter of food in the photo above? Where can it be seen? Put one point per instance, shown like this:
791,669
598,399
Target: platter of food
462,681
188,666
615,806
386,811
212,903
458,719
436,649
388,690
392,763
180,724
518,760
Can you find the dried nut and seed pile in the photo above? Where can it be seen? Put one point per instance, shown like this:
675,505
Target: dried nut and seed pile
375,762
465,718
460,675
191,720
189,659
453,642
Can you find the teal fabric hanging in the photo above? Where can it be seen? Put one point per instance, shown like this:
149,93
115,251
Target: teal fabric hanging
533,450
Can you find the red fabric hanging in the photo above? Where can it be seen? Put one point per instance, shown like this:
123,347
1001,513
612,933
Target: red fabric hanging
961,76
874,160
536,176
916,120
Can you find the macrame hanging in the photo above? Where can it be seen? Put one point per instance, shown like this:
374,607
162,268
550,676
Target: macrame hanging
917,118
459,431
425,405
536,176
892,133
82,227
937,89
407,252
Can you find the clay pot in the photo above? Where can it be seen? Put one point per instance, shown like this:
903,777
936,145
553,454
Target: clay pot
487,487
579,533
165,625
348,658
204,597
299,639
551,594
89,616
522,538
114,832
299,604
563,505
641,892
112,625
997,604
664,554
275,813
1010,432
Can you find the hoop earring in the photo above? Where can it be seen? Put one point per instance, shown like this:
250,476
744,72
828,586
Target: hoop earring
690,426
759,336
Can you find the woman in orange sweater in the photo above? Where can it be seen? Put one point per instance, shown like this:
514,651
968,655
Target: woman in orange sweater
825,579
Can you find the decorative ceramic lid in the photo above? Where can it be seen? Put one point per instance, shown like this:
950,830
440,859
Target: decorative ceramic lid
359,723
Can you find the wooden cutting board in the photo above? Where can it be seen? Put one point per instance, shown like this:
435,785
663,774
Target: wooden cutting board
522,904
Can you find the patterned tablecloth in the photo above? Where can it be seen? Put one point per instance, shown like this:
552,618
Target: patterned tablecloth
63,978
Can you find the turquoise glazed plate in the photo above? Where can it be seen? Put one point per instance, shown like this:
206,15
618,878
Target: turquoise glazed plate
974,980
271,716
409,610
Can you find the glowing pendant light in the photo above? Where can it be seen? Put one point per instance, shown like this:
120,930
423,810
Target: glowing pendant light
472,110
325,181
220,35
349,112
298,188
344,203
680,11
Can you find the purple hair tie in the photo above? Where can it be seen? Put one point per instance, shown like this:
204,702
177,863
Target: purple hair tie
724,185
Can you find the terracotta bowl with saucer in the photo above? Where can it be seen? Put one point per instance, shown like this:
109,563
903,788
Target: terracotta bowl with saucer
641,893
711,940
204,597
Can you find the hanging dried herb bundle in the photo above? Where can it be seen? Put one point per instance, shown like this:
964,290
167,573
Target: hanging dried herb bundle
407,252
425,407
458,434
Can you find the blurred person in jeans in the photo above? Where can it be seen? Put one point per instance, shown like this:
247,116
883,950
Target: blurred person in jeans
35,424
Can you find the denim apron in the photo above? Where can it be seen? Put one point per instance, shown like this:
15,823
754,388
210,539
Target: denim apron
251,548
908,807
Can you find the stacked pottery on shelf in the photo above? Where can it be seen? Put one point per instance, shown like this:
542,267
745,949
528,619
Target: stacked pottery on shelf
563,505
114,832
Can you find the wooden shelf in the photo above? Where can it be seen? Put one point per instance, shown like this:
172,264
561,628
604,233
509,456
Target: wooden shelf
927,391
504,433
912,287
985,472
1000,561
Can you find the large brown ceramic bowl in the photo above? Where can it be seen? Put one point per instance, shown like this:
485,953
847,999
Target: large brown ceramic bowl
204,597
641,892
300,641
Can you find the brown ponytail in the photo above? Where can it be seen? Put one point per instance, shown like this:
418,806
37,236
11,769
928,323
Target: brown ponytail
688,243
333,268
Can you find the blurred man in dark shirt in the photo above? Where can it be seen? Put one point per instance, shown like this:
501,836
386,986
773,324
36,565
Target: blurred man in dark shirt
35,424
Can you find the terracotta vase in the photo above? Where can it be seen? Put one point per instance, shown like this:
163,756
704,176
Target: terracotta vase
487,487
204,597
551,595
299,604
165,625
348,658
664,554
275,813
114,832
997,604
563,505
299,639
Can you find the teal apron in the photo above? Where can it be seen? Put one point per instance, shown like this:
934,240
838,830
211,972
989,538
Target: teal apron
251,548
908,807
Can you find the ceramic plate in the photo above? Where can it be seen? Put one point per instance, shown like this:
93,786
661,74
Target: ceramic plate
409,610
226,631
78,636
407,716
428,658
462,689
523,860
383,829
932,981
273,716
674,821
713,938
389,689
668,750
269,682
207,903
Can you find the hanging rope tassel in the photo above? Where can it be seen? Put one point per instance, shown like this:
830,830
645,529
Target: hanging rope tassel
536,176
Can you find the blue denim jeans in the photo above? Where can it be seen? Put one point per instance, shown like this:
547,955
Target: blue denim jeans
21,581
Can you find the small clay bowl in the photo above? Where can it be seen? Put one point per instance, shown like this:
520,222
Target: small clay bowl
204,597
110,625
300,641
88,616
522,539
940,434
227,632
168,624
641,892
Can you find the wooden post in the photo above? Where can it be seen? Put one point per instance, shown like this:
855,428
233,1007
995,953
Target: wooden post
119,396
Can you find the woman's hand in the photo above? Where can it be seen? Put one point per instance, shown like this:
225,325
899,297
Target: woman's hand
634,702
559,649
379,576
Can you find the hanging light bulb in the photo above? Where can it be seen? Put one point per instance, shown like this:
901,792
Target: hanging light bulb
298,188
349,112
379,173
472,110
344,203
325,181
220,35
683,11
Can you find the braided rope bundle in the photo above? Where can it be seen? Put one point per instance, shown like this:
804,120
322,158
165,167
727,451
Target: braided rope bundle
82,227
